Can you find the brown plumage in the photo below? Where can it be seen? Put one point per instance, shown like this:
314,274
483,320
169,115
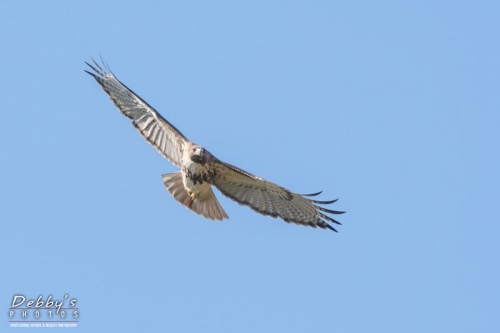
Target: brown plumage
191,186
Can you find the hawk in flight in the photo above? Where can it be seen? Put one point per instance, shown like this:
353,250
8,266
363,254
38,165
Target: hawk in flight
192,185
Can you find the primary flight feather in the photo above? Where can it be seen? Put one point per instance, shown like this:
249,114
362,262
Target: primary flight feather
191,186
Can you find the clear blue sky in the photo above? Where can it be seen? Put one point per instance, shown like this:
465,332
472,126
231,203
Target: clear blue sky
393,107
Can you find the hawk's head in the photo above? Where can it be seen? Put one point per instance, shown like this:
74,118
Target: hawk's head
199,154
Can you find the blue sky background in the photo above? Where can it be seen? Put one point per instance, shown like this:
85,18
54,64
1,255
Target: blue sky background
391,106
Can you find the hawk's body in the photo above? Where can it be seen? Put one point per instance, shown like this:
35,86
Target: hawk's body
192,185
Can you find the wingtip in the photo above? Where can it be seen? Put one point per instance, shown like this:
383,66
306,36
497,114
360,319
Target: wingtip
327,202
90,73
329,227
312,194
102,69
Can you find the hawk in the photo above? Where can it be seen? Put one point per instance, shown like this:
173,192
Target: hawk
192,185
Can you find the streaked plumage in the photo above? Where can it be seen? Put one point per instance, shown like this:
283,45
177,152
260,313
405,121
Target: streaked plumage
191,186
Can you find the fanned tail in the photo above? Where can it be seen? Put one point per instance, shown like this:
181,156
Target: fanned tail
205,204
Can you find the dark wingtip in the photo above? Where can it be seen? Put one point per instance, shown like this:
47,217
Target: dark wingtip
97,71
331,228
312,194
104,63
90,73
328,210
98,66
324,202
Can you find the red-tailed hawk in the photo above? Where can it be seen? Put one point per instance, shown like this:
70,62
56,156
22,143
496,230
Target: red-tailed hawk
192,186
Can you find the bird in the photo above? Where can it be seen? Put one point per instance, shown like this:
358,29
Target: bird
199,169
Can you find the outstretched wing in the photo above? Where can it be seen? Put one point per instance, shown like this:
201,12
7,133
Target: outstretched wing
151,125
270,199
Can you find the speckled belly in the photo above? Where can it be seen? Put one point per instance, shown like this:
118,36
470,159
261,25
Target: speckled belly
195,179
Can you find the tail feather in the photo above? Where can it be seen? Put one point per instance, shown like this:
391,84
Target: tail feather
205,204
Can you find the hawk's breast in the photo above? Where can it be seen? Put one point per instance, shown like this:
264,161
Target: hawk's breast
197,177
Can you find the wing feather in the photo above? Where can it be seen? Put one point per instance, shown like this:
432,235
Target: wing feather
167,139
270,199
